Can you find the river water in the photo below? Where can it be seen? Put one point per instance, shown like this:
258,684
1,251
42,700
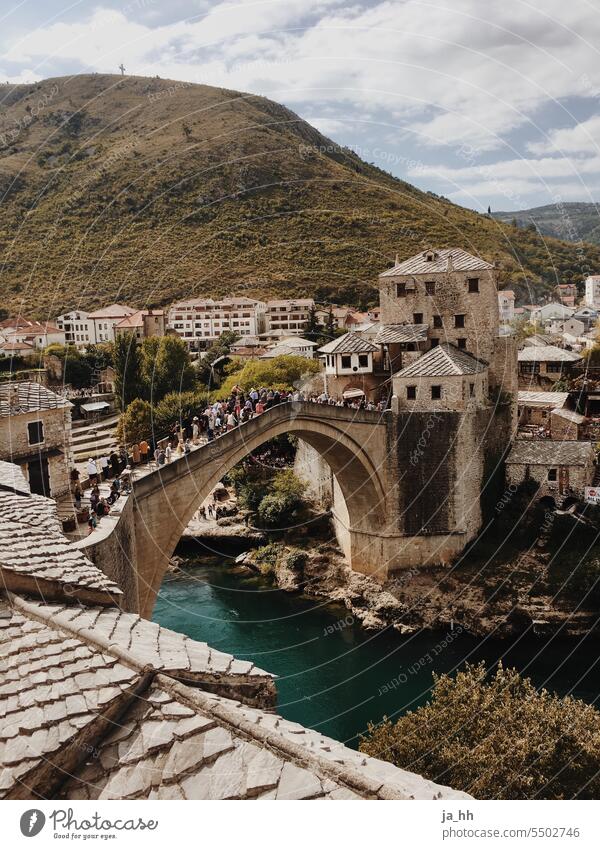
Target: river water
334,676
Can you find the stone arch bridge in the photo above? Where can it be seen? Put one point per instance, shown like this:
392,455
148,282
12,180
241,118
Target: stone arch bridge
392,513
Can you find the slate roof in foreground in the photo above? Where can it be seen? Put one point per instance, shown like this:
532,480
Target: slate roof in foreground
547,452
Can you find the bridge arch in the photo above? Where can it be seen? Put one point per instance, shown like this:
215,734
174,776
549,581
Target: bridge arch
349,441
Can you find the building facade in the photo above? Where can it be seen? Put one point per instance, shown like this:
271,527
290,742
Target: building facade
35,433
506,306
77,327
142,324
288,316
102,322
200,321
592,291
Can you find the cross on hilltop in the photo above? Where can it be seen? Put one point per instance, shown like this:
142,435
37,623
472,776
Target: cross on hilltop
122,69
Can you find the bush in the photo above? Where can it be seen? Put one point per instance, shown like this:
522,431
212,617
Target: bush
279,506
496,738
135,423
284,372
266,557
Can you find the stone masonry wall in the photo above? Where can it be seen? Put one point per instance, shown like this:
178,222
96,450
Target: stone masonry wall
15,447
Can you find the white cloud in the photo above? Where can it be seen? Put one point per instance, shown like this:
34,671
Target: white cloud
440,76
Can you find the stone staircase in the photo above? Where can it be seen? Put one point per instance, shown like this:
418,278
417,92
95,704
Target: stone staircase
94,440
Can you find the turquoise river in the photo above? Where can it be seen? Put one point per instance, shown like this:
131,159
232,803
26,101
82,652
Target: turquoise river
333,675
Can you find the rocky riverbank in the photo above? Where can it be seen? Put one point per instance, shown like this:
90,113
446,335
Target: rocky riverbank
499,593
433,599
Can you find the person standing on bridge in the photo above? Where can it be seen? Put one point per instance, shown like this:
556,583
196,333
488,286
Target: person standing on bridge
195,429
144,451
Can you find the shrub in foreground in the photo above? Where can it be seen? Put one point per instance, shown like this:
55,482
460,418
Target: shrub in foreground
497,738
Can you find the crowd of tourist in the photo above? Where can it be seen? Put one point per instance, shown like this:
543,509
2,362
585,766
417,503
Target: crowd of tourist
216,419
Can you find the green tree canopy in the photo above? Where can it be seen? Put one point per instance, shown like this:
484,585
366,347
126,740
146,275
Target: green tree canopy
166,367
135,423
284,372
496,738
129,383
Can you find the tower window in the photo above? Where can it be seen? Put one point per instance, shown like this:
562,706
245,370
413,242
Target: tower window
400,290
436,393
411,393
35,432
472,390
434,342
437,321
552,475
430,287
473,284
459,320
462,343
417,318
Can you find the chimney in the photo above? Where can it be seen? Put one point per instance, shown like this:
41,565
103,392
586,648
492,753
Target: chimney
450,263
397,260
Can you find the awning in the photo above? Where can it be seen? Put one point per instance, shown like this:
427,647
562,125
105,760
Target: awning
353,393
95,407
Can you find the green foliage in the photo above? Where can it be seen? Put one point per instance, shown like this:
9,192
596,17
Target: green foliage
166,367
210,369
285,372
285,497
129,382
135,422
266,557
496,738
152,370
176,407
80,367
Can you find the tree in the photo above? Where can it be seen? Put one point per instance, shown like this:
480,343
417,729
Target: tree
284,372
177,407
496,738
129,382
311,328
166,367
135,423
284,499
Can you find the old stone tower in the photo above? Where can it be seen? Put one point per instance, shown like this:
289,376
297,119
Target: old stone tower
452,409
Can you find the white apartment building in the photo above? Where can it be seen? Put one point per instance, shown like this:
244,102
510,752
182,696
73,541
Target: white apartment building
506,306
200,321
592,291
77,327
102,322
288,316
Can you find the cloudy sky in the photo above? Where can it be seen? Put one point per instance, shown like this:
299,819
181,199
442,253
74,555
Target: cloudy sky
485,102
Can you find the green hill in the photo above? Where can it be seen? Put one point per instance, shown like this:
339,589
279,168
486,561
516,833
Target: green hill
573,222
146,190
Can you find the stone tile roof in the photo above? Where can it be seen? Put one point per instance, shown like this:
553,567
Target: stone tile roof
391,333
27,397
349,343
545,354
179,743
54,691
442,361
12,478
36,557
92,709
570,415
547,452
549,400
419,264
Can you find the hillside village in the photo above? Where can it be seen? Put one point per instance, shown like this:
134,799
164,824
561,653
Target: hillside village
556,386
512,386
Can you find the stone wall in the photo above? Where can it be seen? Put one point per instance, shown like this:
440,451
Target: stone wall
112,548
578,477
15,447
451,298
